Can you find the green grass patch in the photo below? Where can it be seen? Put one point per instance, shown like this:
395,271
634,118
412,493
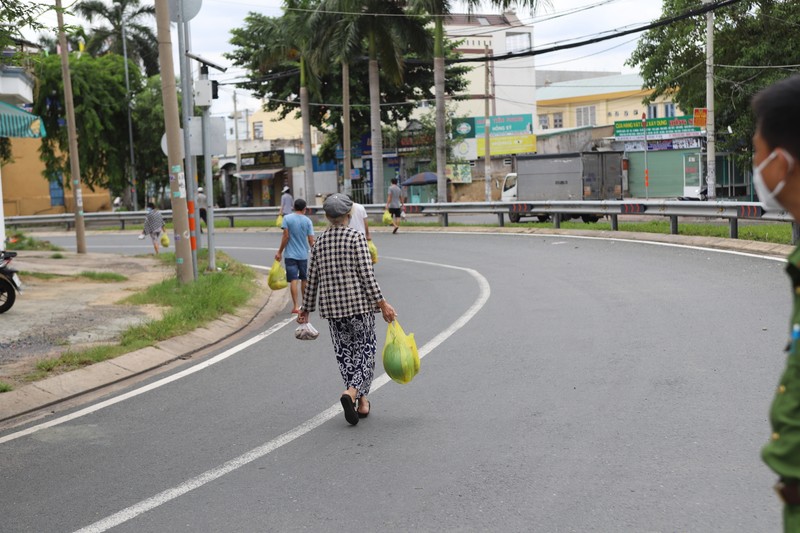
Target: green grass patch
20,241
5,387
57,256
41,275
103,277
190,305
775,233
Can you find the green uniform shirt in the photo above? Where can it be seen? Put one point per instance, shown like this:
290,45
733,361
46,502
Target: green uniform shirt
782,453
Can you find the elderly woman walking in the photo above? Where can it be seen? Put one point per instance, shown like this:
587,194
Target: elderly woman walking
340,271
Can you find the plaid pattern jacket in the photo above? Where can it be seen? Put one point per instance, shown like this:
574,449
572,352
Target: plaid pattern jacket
340,272
153,222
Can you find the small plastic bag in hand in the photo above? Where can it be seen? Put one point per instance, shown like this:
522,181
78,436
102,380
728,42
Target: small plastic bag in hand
306,332
373,252
387,217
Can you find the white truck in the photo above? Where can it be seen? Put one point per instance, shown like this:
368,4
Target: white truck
574,176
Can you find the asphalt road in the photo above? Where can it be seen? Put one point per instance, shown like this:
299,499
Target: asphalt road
595,385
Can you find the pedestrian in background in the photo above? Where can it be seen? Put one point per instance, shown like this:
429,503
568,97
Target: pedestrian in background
287,202
298,237
359,219
340,272
153,225
202,205
776,177
395,204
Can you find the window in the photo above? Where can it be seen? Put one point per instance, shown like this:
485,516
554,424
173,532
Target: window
626,113
669,109
518,42
57,191
616,113
558,120
258,130
544,122
652,111
585,116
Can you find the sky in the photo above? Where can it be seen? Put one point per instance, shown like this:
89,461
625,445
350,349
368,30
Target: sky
561,22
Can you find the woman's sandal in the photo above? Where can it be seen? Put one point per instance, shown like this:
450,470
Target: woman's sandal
349,407
369,408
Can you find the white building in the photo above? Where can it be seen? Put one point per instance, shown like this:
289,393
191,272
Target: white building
512,82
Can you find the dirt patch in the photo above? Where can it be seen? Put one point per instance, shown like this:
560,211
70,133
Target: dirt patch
54,315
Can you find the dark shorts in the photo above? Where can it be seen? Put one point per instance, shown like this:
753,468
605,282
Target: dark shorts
296,269
395,211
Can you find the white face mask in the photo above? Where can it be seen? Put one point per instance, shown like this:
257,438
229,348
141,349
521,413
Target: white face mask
765,195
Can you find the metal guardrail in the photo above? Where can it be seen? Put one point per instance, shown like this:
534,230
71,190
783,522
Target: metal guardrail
557,210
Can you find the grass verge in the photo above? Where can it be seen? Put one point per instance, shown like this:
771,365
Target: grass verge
189,306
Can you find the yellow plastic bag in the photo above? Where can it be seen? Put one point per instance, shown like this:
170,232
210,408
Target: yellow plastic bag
373,251
387,217
279,221
400,356
165,240
277,277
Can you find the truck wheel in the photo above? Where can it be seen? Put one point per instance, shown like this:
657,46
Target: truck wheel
543,218
589,218
514,217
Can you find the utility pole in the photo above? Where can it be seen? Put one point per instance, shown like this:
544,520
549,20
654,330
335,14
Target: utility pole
487,164
711,145
646,170
130,122
177,179
238,152
203,99
74,163
188,158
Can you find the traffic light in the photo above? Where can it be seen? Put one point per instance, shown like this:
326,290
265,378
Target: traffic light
214,89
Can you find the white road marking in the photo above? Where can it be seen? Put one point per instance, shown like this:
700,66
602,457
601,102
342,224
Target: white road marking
156,384
335,410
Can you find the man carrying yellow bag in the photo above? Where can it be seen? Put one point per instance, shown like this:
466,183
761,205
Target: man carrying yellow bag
400,356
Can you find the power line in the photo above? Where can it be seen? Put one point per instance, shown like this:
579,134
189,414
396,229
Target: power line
657,24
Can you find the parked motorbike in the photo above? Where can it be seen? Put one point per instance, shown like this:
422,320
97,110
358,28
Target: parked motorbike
10,283
702,197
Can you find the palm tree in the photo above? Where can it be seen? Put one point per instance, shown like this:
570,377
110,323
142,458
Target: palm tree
127,16
289,39
388,33
439,9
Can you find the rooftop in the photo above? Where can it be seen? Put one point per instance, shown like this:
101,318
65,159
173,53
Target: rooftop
591,86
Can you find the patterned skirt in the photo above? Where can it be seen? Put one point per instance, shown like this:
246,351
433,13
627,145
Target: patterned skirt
355,345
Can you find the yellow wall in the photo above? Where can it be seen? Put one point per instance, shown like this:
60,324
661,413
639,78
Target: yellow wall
609,108
27,192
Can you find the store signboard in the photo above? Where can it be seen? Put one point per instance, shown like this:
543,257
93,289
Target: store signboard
657,129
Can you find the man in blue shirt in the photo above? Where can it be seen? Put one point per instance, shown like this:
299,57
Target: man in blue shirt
298,238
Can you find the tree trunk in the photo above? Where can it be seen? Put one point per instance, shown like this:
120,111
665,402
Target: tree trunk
346,119
308,162
377,137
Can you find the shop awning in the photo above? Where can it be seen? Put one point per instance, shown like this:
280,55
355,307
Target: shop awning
15,122
259,174
423,178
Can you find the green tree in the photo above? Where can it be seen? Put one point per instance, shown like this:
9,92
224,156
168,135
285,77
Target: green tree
268,43
17,15
122,15
753,41
388,33
100,114
438,9
148,127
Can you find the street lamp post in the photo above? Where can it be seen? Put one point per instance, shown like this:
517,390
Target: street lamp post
646,170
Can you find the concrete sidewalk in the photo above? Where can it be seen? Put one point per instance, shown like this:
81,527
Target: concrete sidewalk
42,394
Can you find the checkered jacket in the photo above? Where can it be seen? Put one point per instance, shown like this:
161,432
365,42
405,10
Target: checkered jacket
340,271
